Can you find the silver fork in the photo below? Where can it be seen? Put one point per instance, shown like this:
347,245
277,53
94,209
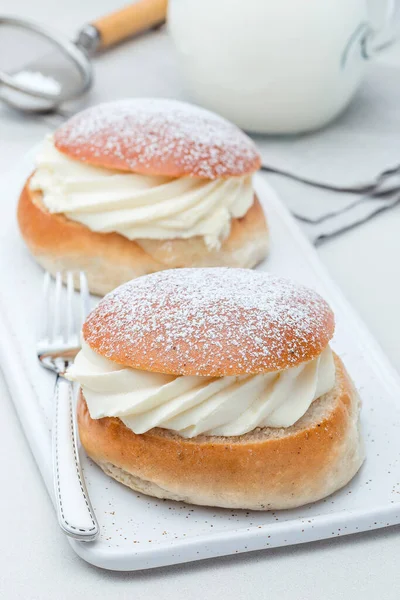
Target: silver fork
56,348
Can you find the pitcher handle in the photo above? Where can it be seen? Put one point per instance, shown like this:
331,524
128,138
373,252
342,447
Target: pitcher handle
377,39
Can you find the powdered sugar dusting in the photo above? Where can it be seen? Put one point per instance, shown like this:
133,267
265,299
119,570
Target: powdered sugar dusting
215,321
145,134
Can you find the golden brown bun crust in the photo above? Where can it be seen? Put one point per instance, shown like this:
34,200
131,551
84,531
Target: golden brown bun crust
264,469
110,259
213,322
158,137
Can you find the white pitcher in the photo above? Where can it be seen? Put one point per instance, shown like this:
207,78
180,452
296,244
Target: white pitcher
276,66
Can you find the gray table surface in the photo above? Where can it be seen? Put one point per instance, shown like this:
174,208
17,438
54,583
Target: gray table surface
37,562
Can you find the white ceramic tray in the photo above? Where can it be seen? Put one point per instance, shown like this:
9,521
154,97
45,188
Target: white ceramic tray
138,532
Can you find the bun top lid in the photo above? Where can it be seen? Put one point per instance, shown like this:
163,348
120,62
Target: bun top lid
158,137
211,322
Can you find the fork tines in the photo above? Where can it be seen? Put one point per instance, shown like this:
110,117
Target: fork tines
63,311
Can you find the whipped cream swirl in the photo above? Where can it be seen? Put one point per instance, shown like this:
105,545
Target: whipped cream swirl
190,406
140,206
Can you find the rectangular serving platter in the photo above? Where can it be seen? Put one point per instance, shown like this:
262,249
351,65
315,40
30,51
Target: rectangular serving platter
138,532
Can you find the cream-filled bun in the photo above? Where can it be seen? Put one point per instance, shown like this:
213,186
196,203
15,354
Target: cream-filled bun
128,188
217,387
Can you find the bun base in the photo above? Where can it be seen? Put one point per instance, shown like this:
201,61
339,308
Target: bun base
265,469
110,259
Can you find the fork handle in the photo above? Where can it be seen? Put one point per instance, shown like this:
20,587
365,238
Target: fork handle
74,510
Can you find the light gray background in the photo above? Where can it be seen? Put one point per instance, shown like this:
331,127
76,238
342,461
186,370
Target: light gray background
36,562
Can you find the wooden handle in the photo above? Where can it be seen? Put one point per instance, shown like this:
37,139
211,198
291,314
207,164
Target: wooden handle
130,20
